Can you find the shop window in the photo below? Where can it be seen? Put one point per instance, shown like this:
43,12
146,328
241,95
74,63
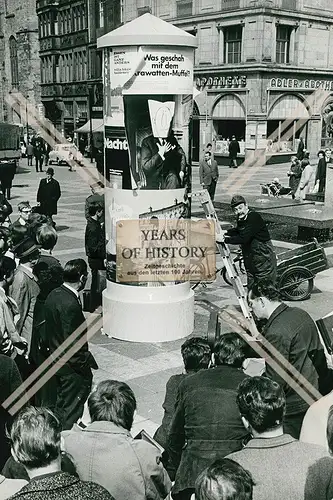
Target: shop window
283,34
225,129
233,44
13,61
283,135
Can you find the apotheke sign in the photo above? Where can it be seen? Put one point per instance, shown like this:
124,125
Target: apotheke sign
294,83
220,82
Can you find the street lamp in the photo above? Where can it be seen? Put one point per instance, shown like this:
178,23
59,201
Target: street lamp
26,114
90,103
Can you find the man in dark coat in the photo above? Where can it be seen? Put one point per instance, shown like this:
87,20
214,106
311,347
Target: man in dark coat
321,172
300,149
42,460
10,380
294,334
39,152
234,149
196,355
97,196
252,234
206,423
64,317
95,245
48,194
209,174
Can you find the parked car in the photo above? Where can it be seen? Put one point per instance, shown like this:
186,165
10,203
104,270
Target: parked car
62,153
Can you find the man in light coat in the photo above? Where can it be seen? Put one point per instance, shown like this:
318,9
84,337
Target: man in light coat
128,468
209,174
24,289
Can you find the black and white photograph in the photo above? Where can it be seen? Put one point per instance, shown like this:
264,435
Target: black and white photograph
213,113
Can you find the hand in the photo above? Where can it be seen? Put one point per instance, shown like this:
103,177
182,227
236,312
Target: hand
181,175
163,149
220,236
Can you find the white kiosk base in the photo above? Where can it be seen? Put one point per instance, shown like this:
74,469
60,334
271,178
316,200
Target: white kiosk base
148,314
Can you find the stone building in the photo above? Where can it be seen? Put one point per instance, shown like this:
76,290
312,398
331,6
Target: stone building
263,69
71,68
19,55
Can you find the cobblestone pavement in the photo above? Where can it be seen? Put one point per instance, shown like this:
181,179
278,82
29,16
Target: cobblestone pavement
147,367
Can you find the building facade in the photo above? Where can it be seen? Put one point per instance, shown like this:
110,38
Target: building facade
263,69
71,67
19,55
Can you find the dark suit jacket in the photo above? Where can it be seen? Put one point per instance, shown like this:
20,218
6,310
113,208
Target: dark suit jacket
161,434
10,380
206,424
63,316
48,195
208,173
95,243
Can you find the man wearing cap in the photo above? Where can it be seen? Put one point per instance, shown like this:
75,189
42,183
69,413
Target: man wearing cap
97,196
48,194
24,288
252,235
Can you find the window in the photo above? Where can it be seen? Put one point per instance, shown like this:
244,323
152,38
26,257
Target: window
13,61
184,8
283,44
75,18
84,65
101,14
233,45
56,29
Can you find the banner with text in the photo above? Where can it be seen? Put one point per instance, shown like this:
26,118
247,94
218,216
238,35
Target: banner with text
151,70
153,250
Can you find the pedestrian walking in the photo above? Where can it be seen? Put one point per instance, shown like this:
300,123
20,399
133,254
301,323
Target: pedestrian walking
96,252
300,149
294,175
48,194
39,152
306,181
209,174
30,153
320,180
234,149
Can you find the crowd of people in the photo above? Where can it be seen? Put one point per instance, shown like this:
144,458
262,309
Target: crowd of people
225,435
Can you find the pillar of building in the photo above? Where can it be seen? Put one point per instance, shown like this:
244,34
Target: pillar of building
146,59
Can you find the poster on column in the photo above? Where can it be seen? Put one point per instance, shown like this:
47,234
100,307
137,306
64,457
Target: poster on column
156,87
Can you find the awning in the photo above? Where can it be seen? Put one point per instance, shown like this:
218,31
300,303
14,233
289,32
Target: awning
97,126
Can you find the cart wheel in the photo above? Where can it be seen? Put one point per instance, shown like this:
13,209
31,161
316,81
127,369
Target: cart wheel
296,283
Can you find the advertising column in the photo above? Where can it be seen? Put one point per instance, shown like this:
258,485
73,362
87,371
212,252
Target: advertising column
148,80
